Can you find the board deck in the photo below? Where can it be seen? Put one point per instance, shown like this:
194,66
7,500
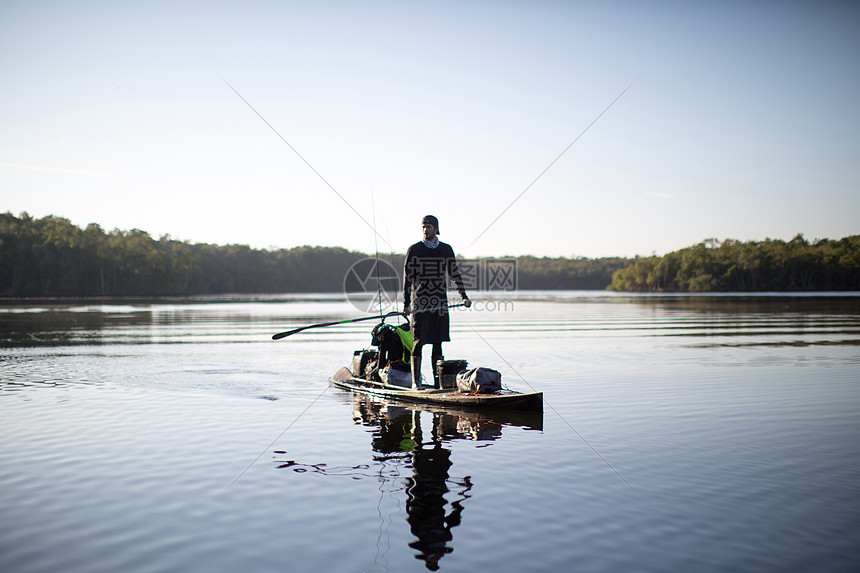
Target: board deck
507,399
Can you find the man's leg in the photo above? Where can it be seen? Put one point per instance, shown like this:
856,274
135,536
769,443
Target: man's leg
435,356
416,366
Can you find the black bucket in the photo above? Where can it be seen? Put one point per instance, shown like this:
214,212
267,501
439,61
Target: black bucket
447,370
361,359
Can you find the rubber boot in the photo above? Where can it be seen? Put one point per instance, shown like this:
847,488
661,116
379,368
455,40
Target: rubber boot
416,372
437,382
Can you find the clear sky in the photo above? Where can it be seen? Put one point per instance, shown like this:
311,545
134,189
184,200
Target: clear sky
743,121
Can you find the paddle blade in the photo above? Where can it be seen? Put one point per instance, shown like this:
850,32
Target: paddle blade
281,335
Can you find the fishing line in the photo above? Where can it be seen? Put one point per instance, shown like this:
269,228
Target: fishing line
529,186
376,248
383,528
557,413
376,234
391,262
305,160
267,448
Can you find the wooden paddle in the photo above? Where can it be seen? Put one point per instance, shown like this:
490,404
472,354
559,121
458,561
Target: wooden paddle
281,335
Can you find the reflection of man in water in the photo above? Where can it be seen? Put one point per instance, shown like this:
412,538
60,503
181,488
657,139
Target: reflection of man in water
400,430
425,503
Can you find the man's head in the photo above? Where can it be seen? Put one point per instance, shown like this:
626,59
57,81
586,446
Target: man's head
430,225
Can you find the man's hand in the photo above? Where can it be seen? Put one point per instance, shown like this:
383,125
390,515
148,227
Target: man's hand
466,302
407,310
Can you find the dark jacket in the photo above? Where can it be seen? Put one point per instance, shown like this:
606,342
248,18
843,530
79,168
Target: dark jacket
426,273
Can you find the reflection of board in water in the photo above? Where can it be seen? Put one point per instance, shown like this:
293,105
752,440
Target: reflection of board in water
401,447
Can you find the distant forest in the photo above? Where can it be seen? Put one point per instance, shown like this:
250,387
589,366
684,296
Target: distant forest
735,266
51,257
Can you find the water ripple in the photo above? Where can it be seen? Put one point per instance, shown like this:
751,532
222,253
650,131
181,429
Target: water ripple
735,420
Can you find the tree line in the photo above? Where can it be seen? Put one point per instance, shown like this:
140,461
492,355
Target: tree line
753,266
546,273
51,257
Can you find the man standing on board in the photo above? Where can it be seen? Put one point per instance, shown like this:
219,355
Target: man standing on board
429,263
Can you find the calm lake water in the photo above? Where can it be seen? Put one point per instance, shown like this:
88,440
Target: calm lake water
680,433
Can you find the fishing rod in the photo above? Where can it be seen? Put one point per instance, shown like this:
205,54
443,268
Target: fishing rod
376,248
281,335
390,258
